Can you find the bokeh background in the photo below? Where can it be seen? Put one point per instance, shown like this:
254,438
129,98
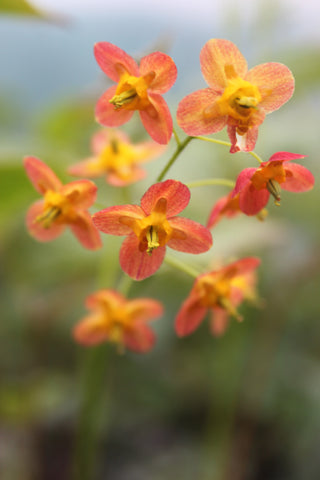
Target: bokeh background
244,406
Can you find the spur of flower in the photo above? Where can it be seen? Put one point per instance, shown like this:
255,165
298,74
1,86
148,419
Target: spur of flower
115,157
61,206
115,319
137,88
236,98
220,292
152,226
254,185
228,206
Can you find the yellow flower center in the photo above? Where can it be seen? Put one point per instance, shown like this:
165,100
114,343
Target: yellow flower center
56,208
270,177
131,92
154,230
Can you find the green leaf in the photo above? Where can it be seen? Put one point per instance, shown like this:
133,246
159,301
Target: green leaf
19,7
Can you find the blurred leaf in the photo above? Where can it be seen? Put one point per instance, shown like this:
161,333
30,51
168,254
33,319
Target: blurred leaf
19,7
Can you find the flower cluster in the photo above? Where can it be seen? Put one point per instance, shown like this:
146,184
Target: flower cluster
236,98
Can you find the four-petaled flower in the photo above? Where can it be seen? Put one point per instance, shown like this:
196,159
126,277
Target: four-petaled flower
62,205
152,226
236,97
117,158
138,88
116,319
254,185
228,206
220,292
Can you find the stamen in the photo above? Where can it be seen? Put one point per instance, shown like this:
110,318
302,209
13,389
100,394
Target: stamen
114,144
123,98
275,190
246,102
48,216
153,239
225,303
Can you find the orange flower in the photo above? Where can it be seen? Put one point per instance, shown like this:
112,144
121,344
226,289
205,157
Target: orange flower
236,97
118,320
62,205
219,291
138,88
117,158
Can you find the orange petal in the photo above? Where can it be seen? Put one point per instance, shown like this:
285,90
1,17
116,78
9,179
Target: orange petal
139,339
90,331
189,316
214,56
36,229
139,265
91,167
118,178
189,236
85,231
275,82
191,115
144,309
113,60
81,193
157,120
41,176
164,68
106,114
176,193
109,219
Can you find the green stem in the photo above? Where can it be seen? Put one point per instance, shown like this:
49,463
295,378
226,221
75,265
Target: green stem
180,146
227,144
211,181
173,262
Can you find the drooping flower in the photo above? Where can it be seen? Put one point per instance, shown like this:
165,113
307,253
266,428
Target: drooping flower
254,185
228,206
221,292
152,226
62,206
236,98
138,88
115,319
117,158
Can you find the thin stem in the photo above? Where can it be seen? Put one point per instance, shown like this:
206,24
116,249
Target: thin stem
227,144
256,156
173,262
211,181
176,137
180,147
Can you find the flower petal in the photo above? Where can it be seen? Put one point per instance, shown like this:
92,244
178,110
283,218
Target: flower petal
242,143
283,157
110,58
251,201
189,317
81,193
214,56
157,120
219,321
36,229
103,137
106,114
118,178
139,265
144,309
226,206
105,297
90,331
140,338
108,220
191,117
164,68
189,236
85,231
298,178
243,179
41,176
90,167
176,193
275,82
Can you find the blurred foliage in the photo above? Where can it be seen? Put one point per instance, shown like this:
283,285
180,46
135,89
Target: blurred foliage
19,7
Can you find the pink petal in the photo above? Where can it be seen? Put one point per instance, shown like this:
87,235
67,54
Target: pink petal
103,298
140,338
89,167
275,82
85,231
103,137
139,265
117,179
164,68
41,176
283,157
110,58
36,229
157,120
189,236
251,201
108,220
191,117
219,321
81,193
298,178
189,317
221,209
214,56
243,143
176,193
243,179
106,114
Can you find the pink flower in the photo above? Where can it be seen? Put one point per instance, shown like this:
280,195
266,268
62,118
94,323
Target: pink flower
254,185
236,98
152,226
138,88
118,320
62,205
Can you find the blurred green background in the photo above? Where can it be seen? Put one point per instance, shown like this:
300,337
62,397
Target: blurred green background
241,407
